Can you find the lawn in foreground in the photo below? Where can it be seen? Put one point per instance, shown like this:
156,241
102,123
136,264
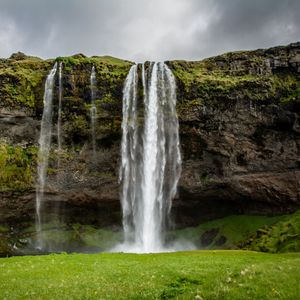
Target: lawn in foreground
181,275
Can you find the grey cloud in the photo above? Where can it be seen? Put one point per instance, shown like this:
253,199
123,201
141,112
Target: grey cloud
251,24
141,29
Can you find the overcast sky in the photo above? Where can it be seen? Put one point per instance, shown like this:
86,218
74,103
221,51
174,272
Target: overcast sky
141,30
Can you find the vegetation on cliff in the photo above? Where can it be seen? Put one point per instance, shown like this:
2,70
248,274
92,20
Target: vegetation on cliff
261,77
283,236
21,81
22,87
22,78
16,164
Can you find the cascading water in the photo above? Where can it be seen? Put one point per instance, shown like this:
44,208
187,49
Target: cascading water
59,111
151,160
44,149
93,109
128,151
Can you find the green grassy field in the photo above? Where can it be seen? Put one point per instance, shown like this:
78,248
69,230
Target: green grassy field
181,275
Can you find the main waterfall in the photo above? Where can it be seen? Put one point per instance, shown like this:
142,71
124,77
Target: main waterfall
151,160
44,149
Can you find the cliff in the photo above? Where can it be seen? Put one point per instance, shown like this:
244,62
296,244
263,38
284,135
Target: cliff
239,116
239,131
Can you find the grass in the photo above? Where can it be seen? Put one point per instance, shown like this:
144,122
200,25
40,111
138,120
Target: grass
283,236
233,228
182,275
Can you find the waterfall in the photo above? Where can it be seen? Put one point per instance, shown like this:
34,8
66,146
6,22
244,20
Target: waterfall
128,151
151,160
59,111
93,109
44,149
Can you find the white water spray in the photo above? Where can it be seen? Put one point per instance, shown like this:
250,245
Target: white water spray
44,149
151,160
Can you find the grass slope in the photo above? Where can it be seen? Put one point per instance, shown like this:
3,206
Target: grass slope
232,229
231,232
283,236
181,275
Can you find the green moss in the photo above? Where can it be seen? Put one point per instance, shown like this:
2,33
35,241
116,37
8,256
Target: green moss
207,82
106,99
77,128
98,61
284,236
234,228
75,236
51,171
22,81
110,75
69,61
4,229
113,60
293,94
16,167
99,238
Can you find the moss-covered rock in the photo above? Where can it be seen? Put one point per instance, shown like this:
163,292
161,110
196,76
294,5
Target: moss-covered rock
224,233
284,236
226,79
21,81
17,167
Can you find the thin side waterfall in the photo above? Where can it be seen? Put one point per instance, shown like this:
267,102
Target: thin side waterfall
93,109
59,108
56,209
151,160
43,154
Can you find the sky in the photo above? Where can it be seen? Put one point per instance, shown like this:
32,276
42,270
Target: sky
140,30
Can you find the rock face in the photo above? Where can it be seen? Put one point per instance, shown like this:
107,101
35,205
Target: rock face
239,131
248,164
240,138
84,189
